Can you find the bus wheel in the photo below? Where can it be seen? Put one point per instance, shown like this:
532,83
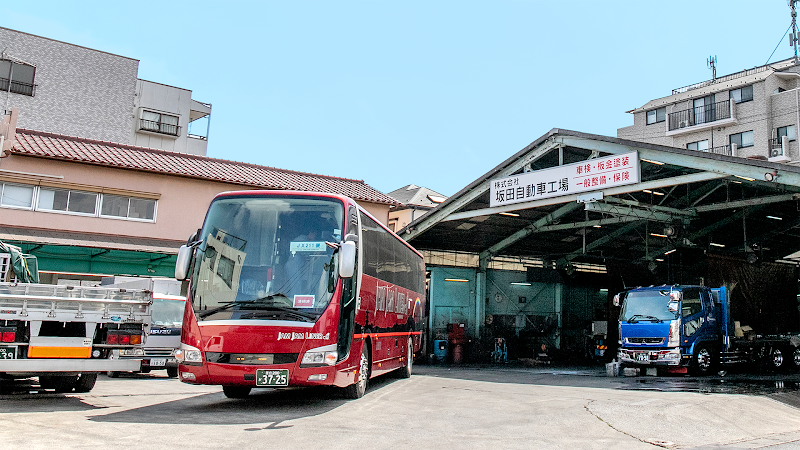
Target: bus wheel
236,391
85,382
405,371
703,361
359,388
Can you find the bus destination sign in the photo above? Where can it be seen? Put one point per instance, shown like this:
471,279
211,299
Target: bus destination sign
590,175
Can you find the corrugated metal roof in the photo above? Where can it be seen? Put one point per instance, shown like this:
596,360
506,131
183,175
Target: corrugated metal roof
109,154
418,196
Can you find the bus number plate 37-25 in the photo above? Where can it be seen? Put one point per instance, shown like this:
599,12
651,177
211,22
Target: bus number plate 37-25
266,377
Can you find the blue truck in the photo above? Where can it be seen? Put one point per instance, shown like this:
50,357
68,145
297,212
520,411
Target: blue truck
690,328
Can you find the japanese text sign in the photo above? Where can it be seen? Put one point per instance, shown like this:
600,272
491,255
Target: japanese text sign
590,175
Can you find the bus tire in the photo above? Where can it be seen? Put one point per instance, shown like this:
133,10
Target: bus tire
702,361
85,382
172,372
405,371
236,391
359,388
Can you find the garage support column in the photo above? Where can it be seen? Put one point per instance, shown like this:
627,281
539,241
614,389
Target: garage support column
480,294
559,307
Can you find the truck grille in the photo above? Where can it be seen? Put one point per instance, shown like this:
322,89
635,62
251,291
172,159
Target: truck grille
162,352
645,340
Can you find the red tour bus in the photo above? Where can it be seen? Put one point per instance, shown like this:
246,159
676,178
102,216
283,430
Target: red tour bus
292,288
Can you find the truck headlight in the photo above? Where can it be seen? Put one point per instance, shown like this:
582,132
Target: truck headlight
320,356
187,354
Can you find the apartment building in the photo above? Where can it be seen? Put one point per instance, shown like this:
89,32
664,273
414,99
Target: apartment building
754,113
71,90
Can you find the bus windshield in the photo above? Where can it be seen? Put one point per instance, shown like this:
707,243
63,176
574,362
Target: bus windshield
267,258
646,306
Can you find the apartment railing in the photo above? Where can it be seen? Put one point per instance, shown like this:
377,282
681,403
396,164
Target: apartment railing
732,76
159,127
699,115
17,87
721,150
775,143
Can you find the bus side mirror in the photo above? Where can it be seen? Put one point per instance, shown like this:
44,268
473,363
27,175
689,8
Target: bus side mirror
182,263
616,300
347,259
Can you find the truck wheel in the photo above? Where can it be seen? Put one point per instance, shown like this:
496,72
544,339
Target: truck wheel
778,359
172,372
359,388
85,382
236,391
796,358
111,374
703,361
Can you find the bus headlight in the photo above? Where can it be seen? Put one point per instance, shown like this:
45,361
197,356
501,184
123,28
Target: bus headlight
187,354
320,356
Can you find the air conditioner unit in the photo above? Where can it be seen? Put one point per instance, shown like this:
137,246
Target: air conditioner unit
683,124
775,152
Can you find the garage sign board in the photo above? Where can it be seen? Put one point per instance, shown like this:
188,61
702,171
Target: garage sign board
590,175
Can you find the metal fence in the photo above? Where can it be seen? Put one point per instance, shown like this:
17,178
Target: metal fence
159,127
17,87
699,115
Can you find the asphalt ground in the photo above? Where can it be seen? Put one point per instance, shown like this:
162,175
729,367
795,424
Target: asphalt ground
439,407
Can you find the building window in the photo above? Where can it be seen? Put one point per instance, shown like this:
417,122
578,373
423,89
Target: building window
742,95
699,145
67,200
742,140
128,207
16,195
19,76
787,131
159,123
656,115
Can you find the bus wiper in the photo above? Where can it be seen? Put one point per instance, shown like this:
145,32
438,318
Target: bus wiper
278,310
637,317
225,305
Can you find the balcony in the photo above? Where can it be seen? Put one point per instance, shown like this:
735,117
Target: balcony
159,127
700,118
17,87
779,149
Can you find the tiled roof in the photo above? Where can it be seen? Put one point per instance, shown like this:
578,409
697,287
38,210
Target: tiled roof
67,148
418,196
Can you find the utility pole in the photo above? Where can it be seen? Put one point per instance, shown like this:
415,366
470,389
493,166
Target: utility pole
793,36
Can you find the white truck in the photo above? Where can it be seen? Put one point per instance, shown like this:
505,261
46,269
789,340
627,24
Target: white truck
64,335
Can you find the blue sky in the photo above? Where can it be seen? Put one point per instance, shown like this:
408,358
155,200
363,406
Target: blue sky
433,93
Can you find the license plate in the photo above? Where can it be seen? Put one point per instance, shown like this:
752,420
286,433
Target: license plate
8,353
266,377
643,357
159,362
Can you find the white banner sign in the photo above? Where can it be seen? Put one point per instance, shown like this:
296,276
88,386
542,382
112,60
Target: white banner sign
590,175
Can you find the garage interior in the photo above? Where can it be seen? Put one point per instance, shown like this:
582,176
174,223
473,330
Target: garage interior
540,275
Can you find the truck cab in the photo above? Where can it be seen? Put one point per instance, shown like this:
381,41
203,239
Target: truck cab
669,326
